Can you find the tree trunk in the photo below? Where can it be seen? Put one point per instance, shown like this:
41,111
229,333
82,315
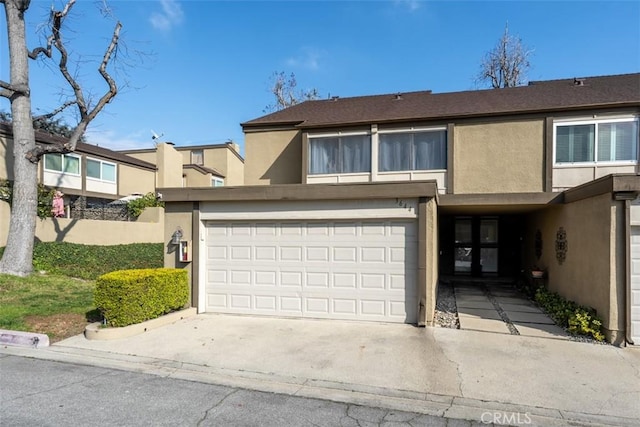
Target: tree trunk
18,255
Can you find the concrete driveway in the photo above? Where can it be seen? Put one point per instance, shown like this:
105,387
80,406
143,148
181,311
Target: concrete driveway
437,371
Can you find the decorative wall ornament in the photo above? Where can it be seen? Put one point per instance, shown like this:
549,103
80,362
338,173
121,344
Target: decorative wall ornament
561,245
538,244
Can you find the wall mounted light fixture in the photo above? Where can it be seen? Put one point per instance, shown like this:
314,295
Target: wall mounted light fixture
176,237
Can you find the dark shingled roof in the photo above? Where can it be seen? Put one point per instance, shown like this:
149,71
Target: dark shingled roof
544,96
81,147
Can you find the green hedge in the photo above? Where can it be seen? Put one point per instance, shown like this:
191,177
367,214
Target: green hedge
90,261
132,296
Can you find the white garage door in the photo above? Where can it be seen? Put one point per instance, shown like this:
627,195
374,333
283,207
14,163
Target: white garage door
361,270
635,284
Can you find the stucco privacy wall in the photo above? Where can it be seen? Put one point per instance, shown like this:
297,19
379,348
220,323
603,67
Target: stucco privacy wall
589,275
148,229
273,157
499,157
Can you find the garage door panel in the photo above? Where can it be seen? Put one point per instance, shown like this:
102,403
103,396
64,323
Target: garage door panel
317,254
266,253
266,278
291,305
345,280
291,253
291,278
635,285
344,269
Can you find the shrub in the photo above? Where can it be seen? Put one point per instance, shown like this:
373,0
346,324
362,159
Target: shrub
126,297
577,319
45,197
135,207
90,261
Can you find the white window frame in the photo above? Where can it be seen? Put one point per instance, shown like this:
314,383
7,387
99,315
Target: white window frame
594,121
338,135
63,172
217,182
413,129
104,162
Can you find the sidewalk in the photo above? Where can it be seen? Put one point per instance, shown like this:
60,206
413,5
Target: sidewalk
436,371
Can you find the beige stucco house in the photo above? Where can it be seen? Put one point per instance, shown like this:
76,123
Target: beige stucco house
213,165
356,208
89,171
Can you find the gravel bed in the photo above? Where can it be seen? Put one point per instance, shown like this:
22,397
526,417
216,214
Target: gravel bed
446,315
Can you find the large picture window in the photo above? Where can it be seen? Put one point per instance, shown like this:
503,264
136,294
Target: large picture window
62,163
597,141
103,171
417,150
339,154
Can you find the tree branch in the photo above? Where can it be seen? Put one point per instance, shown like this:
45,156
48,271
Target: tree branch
35,154
87,114
54,113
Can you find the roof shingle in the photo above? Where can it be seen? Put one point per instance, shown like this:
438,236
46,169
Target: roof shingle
550,95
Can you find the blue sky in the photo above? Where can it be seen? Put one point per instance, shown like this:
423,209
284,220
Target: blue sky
205,65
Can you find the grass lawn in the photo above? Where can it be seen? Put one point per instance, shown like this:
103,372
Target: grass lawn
58,306
59,302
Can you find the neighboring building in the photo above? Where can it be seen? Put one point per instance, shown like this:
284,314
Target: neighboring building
355,208
90,171
213,165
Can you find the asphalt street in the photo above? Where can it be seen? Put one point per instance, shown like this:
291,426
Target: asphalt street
45,393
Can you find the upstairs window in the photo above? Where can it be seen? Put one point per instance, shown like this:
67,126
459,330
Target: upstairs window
101,170
217,182
416,150
597,141
62,163
339,154
197,157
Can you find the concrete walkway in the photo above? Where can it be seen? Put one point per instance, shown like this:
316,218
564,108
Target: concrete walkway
461,374
499,307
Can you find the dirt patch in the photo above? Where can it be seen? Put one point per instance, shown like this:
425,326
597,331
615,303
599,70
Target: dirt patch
58,326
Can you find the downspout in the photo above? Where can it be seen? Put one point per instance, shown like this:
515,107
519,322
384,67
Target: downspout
627,234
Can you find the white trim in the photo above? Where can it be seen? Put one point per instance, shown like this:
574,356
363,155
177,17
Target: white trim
337,134
115,165
595,120
420,129
310,210
63,172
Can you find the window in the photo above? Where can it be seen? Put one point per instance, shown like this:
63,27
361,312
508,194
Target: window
340,154
419,150
197,157
217,182
98,169
597,141
62,163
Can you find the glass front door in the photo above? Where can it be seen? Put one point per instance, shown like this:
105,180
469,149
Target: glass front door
476,245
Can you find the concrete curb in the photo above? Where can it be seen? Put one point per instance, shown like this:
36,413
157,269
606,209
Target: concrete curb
402,400
23,339
95,331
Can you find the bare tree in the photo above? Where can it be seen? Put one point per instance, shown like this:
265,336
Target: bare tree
505,65
18,255
284,90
